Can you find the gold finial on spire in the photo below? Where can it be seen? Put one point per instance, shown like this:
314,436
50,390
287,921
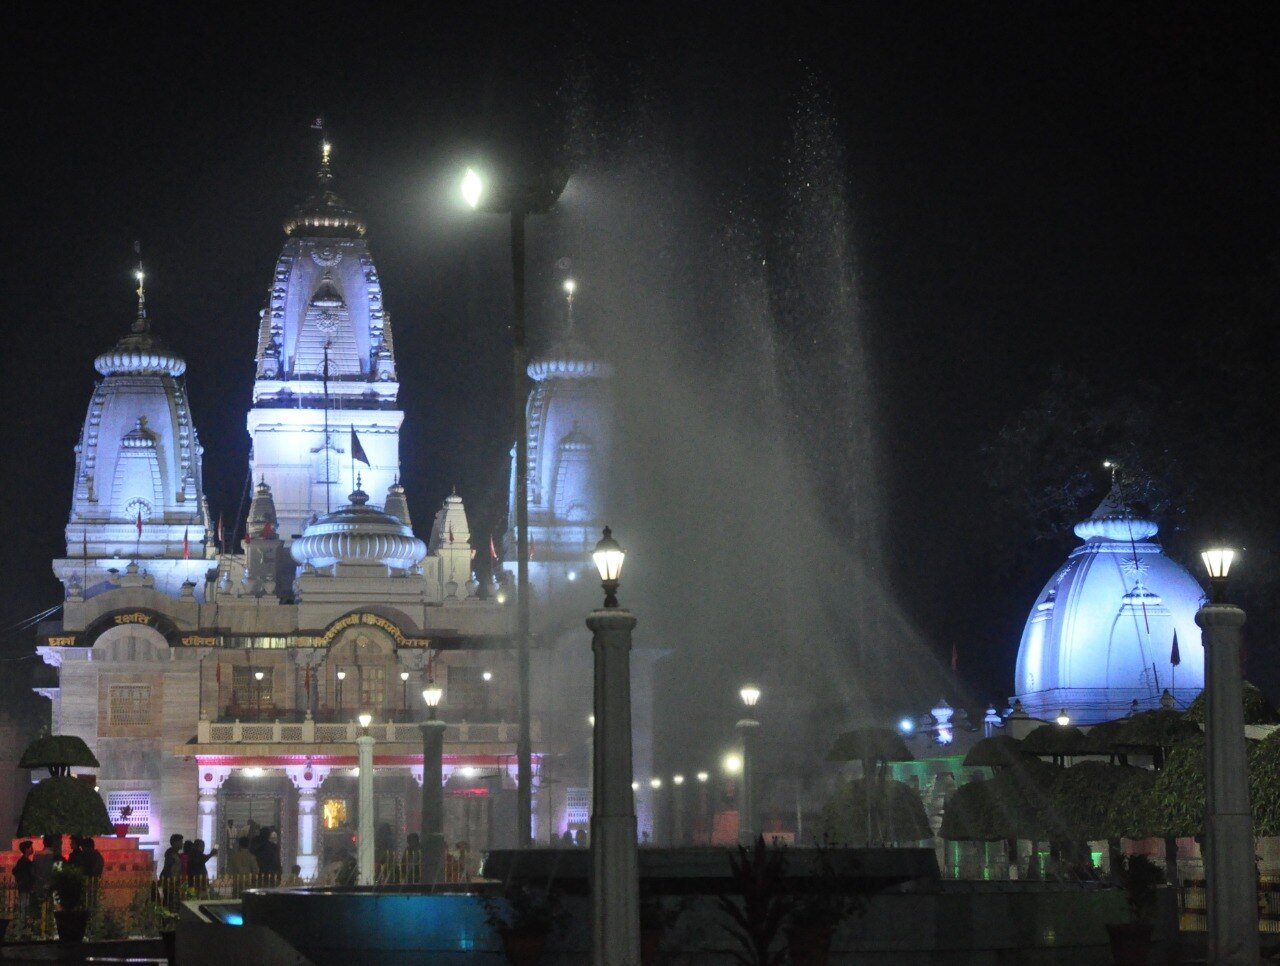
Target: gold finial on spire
1112,466
140,323
326,175
570,286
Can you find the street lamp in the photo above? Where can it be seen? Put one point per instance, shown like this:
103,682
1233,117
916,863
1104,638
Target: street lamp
341,676
258,676
1063,718
615,878
519,200
432,786
364,794
748,727
1231,898
608,556
404,690
677,810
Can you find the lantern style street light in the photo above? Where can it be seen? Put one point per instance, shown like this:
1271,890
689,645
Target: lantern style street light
341,676
615,878
519,200
1063,718
404,690
258,676
364,794
433,850
748,728
1231,898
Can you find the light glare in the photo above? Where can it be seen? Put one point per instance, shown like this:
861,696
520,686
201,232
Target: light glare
750,695
472,188
732,764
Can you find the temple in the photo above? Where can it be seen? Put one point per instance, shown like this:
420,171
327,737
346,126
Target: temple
217,680
1114,627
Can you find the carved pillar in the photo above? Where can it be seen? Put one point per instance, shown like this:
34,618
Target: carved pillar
210,779
307,779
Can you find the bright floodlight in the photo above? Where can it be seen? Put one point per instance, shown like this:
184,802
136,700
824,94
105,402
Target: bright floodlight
732,764
404,675
469,772
258,675
432,694
1218,562
655,783
906,726
365,719
472,188
750,695
677,779
608,556
703,776
1063,718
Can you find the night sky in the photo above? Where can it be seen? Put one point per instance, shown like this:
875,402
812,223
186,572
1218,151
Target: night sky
1030,186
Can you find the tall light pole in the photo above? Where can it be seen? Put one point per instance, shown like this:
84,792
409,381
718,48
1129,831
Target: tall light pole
364,796
748,727
519,201
677,810
1230,889
404,691
615,877
432,787
341,676
258,676
704,806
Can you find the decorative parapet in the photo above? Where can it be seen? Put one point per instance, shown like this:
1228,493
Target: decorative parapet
313,732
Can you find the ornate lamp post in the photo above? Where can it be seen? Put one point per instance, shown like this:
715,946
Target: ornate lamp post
341,676
364,796
519,201
748,727
615,880
432,787
1230,889
1063,718
704,807
677,810
404,691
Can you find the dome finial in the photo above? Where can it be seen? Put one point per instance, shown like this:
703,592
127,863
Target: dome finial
140,324
570,286
325,174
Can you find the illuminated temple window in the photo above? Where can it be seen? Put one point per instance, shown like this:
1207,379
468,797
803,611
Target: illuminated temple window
140,818
333,813
130,704
372,686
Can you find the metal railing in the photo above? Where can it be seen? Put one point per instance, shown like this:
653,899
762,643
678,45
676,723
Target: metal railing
309,731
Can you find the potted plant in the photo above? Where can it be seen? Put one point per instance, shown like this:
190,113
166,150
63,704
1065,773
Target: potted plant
71,914
755,904
1138,876
523,917
122,825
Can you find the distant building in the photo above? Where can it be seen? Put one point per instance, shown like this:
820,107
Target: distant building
216,680
1101,634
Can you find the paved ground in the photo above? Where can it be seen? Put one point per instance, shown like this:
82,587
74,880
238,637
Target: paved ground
121,951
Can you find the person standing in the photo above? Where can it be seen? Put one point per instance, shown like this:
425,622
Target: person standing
22,878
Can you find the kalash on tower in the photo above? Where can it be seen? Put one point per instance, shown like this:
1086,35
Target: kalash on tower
218,687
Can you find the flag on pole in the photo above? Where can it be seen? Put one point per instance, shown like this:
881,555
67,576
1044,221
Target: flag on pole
217,672
221,540
493,551
955,659
138,523
268,530
84,543
186,544
1175,658
357,451
451,533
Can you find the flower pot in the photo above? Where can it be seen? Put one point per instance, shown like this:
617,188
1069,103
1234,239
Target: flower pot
1130,942
810,945
71,924
523,946
650,940
122,830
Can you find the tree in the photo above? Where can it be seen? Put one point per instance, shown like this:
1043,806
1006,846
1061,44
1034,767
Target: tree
62,804
894,813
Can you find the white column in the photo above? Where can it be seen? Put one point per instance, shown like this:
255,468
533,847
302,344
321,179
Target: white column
615,881
209,780
364,843
1230,888
307,779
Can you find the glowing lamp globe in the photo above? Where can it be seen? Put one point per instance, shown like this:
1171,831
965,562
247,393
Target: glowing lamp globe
472,188
342,675
570,286
608,556
703,777
677,779
750,695
365,719
906,726
655,783
404,675
1063,718
1218,562
258,675
732,764
432,694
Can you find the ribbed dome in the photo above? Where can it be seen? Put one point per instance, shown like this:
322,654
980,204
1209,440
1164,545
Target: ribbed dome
1113,520
140,353
358,534
324,213
569,358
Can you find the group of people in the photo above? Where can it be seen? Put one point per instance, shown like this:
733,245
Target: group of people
254,854
33,872
570,840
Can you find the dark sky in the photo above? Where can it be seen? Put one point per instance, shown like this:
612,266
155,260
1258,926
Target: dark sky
1029,185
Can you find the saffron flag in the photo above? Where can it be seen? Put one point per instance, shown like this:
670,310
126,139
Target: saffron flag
221,539
357,451
1175,658
493,551
268,530
186,544
138,523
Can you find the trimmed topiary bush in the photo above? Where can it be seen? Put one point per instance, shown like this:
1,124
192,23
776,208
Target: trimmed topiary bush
62,805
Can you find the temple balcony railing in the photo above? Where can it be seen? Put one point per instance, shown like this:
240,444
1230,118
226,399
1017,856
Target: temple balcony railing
309,731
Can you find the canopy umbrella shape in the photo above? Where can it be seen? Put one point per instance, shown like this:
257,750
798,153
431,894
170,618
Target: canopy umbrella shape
1257,709
862,813
58,753
1155,732
869,744
1056,741
970,814
1022,799
1084,794
998,751
1100,739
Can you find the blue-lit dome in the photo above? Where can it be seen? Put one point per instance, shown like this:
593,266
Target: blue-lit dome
1101,634
359,534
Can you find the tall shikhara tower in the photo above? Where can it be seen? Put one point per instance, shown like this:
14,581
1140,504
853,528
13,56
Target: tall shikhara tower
325,366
